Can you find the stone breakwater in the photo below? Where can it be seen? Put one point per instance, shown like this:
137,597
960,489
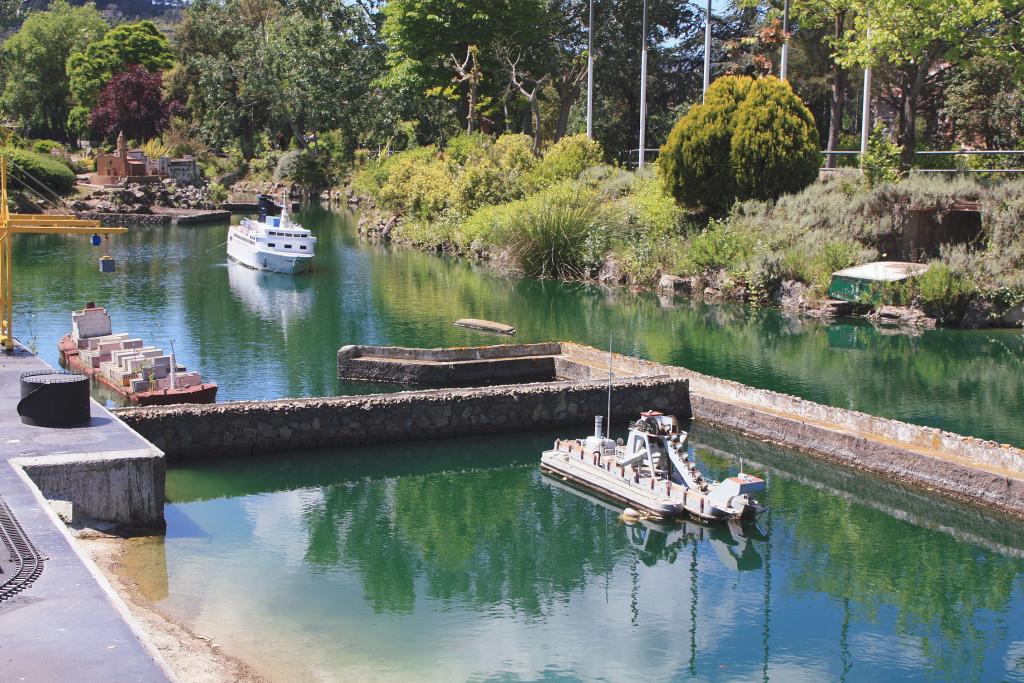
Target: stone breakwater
964,468
244,427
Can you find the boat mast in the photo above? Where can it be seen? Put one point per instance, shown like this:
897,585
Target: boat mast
608,424
174,368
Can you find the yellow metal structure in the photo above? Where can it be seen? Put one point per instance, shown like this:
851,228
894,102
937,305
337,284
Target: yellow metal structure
29,224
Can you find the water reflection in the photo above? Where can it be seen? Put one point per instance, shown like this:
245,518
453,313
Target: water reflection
274,297
436,544
733,543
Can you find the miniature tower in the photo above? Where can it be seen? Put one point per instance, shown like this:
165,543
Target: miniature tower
122,149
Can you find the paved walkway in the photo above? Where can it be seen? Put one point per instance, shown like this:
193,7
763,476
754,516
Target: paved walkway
68,626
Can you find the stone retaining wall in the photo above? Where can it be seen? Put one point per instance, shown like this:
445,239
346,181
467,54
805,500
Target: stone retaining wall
454,367
196,431
736,394
896,450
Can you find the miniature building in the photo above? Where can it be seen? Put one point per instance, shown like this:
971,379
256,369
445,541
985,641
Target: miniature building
126,165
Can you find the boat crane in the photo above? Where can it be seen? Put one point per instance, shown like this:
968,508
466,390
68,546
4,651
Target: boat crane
30,224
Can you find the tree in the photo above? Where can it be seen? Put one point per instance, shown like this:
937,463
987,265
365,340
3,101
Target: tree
986,104
139,43
835,16
433,39
35,61
913,38
132,102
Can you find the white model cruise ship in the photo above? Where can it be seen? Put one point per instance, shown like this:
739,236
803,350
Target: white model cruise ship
272,243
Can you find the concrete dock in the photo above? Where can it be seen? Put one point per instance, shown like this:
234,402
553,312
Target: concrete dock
69,625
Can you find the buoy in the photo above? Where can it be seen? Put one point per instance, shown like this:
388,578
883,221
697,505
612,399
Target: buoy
95,239
630,516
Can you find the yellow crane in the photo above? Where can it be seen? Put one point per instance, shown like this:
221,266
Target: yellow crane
29,224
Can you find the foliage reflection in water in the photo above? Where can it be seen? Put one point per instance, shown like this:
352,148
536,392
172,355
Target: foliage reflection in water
269,336
429,561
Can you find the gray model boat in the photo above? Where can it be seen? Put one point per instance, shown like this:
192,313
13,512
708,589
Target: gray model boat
654,472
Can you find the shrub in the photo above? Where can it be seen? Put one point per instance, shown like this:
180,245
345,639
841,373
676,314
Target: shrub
481,183
561,231
748,140
287,164
32,168
774,148
566,160
718,246
695,163
941,286
647,210
882,161
513,152
418,184
216,193
46,146
313,171
467,147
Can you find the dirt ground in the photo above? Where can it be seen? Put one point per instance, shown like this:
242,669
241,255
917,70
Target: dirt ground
193,657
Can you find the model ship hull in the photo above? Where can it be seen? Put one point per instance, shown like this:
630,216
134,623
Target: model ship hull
622,486
652,472
198,393
252,256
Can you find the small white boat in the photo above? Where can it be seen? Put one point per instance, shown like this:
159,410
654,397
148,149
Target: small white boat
272,243
654,472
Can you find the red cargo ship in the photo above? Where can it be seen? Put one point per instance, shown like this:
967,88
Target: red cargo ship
142,375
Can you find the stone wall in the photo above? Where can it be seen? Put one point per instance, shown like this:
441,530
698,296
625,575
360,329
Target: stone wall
454,367
911,454
196,431
828,418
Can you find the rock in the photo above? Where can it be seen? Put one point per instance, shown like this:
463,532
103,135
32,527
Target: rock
1014,317
793,296
673,284
610,272
979,313
901,316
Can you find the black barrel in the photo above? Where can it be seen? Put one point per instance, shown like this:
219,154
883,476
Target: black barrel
51,398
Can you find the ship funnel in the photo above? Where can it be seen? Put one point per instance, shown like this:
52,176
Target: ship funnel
599,426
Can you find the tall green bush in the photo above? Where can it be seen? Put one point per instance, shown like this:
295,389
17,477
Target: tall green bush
774,148
695,163
748,140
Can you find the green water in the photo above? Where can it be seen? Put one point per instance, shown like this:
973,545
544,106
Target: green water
457,560
271,336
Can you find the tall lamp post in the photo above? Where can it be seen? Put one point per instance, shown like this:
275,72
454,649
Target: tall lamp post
643,87
590,73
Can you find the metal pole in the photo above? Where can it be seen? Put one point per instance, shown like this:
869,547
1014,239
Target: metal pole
784,67
865,113
865,116
707,52
590,73
608,426
643,88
